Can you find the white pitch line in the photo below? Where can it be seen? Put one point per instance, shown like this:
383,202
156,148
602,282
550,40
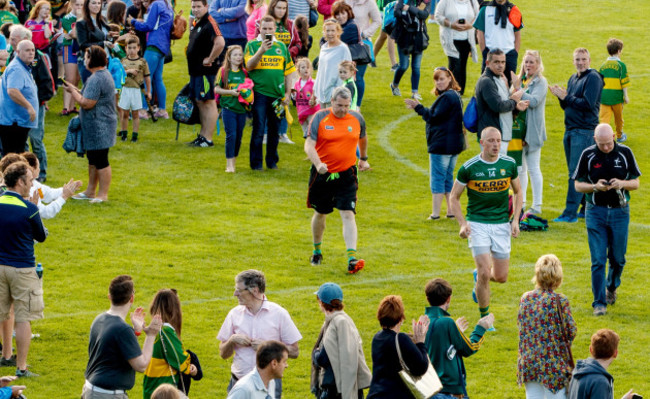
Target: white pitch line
384,142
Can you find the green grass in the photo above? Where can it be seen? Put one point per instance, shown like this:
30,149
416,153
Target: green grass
175,219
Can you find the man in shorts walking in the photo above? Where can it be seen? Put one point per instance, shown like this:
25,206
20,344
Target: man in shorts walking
334,135
488,178
203,49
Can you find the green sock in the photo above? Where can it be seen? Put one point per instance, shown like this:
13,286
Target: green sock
317,249
352,253
484,311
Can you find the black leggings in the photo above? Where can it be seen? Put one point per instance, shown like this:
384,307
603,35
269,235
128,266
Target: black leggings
13,138
458,66
98,158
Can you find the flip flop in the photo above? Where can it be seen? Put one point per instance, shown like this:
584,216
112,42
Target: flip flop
81,196
97,201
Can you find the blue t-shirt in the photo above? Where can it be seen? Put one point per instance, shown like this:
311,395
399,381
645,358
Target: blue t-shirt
18,76
3,42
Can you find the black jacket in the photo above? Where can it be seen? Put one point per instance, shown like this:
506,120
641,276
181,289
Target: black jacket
42,76
87,37
410,32
444,124
488,102
582,103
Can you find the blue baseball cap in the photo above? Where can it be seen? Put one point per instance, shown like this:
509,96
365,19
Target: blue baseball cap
329,292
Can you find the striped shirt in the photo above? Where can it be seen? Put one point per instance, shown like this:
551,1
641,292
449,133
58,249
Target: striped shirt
616,79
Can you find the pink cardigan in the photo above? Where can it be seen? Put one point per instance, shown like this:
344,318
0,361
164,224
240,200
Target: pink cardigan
251,22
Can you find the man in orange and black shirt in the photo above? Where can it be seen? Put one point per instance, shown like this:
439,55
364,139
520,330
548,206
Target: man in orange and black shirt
331,147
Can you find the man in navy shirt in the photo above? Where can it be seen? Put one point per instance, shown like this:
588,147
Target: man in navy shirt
20,225
606,173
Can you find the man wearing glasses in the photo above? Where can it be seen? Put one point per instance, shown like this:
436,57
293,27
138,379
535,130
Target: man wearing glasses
252,322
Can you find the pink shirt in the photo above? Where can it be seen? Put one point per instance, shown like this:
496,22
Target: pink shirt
251,22
38,33
271,322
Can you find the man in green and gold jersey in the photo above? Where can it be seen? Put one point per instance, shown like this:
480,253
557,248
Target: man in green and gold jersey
488,177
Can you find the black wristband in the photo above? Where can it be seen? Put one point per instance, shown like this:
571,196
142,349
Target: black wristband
364,158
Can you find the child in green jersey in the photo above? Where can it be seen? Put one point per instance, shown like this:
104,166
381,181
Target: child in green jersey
614,93
347,71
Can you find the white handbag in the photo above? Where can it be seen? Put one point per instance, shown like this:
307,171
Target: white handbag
424,386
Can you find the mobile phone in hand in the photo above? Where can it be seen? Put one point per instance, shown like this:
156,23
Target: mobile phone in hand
461,21
268,36
636,396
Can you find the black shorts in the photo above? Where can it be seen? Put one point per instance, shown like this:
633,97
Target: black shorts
388,29
341,193
202,87
98,158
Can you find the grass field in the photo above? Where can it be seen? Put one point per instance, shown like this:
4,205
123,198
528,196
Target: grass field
175,219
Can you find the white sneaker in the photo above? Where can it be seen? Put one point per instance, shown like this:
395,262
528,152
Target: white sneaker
285,139
416,96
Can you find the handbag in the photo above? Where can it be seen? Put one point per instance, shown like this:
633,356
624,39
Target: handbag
570,360
470,118
360,53
424,386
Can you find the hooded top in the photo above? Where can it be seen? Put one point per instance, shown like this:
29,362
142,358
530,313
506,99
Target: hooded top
591,381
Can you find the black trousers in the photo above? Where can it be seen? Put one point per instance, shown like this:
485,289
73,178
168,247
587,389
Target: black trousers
458,66
13,138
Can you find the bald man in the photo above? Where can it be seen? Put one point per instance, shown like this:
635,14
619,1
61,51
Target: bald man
606,173
488,178
18,100
40,69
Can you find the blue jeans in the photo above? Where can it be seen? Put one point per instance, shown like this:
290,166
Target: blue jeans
442,172
360,82
445,396
36,140
156,61
234,124
607,235
83,72
416,60
575,141
264,116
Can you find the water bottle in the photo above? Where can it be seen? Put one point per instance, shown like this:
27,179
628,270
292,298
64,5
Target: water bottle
39,270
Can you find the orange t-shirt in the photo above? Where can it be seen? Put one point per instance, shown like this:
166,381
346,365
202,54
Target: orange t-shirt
337,138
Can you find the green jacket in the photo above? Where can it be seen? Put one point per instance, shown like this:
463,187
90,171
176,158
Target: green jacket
447,345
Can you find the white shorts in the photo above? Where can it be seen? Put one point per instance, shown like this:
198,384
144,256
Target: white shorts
131,99
494,238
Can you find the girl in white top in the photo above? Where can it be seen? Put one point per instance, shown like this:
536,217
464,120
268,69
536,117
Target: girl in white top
331,54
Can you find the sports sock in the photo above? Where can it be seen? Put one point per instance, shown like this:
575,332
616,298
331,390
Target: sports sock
352,253
484,311
317,248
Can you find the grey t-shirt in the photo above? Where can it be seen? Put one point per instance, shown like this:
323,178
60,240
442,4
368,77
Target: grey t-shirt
112,343
99,124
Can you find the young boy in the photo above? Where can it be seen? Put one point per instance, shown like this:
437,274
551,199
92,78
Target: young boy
137,72
615,90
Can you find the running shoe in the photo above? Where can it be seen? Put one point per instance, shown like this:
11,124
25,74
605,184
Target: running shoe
622,139
611,297
395,90
354,265
416,96
285,139
316,259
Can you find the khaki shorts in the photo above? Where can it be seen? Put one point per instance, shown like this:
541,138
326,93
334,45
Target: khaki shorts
22,288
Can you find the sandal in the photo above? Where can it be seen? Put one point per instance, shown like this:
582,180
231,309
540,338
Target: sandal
81,196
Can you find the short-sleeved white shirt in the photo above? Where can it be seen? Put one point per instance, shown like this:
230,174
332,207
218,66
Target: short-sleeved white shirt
272,322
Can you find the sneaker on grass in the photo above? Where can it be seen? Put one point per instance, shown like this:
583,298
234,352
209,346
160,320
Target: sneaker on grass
285,139
25,373
354,265
201,142
316,259
611,297
11,362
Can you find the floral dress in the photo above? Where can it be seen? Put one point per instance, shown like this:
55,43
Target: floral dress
545,337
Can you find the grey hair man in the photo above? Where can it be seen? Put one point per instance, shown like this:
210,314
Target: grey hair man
334,135
253,321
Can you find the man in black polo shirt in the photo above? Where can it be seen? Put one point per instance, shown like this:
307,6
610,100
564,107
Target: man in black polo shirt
204,47
606,173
